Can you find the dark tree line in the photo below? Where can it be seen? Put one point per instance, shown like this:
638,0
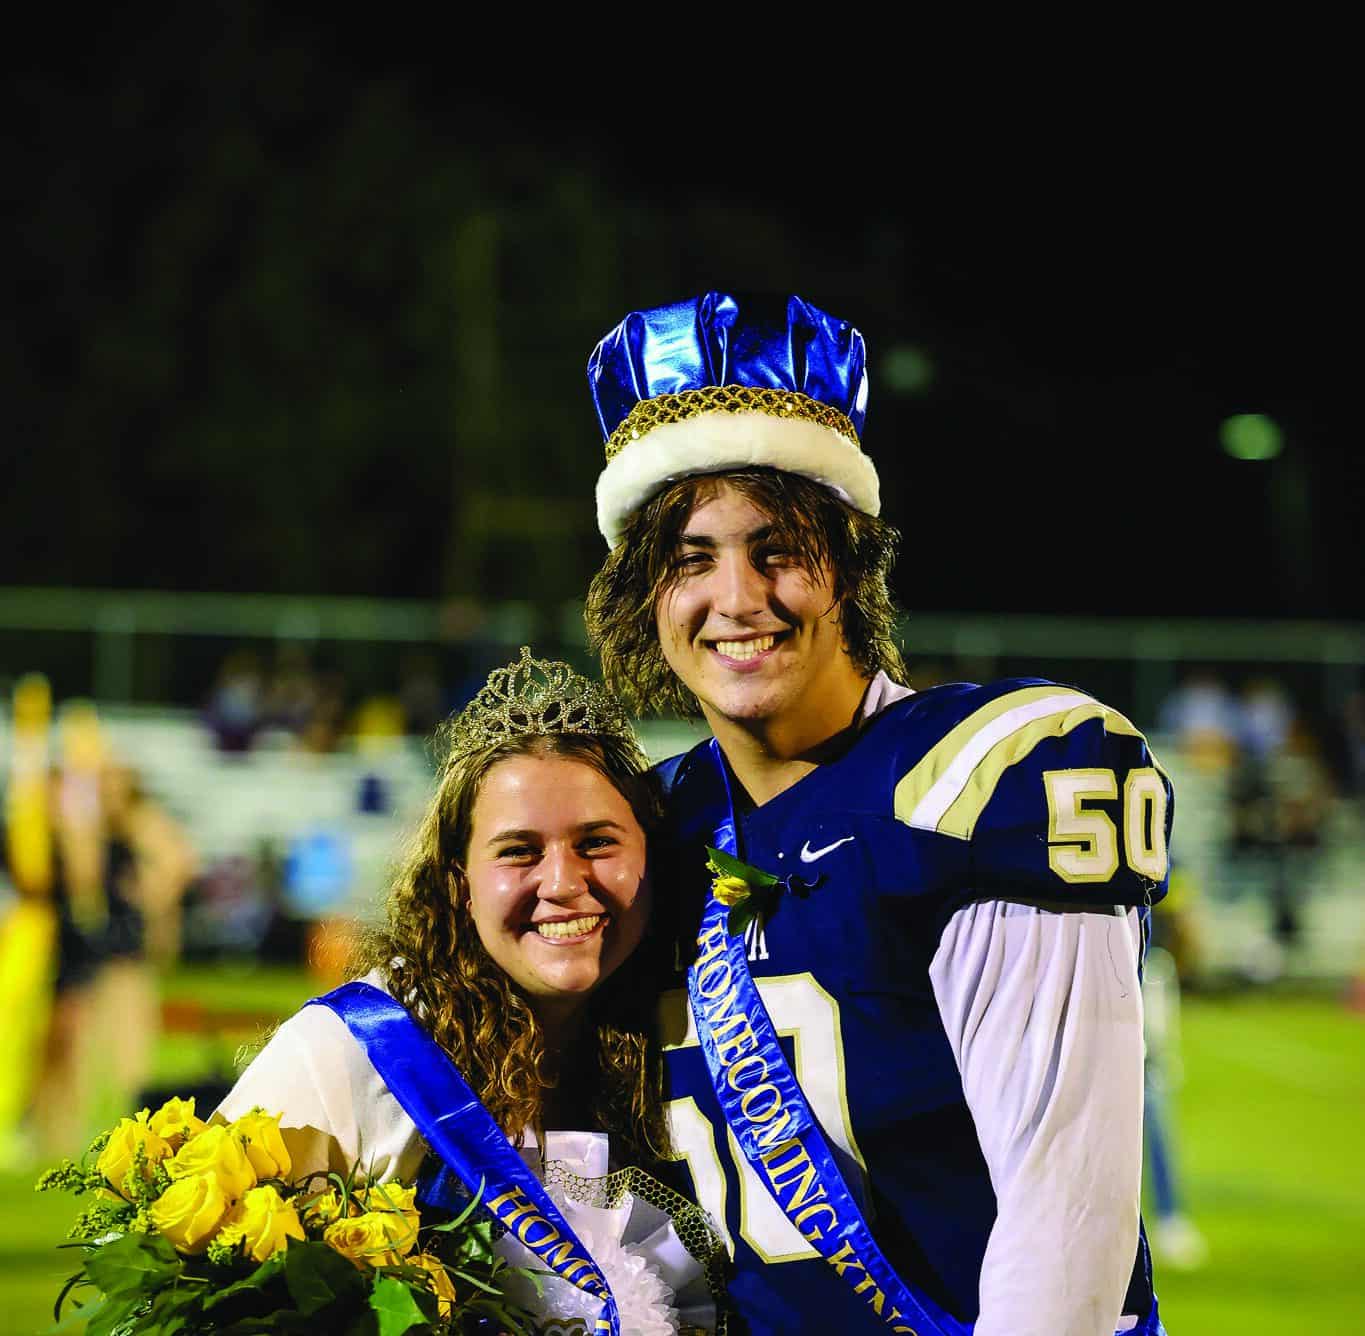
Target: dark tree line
292,315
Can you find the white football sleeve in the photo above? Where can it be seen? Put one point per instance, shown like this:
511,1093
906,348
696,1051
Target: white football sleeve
1043,1009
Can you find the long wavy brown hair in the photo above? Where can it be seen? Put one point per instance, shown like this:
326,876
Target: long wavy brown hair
430,954
822,532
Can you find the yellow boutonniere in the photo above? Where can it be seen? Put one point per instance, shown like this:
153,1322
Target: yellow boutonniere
730,891
748,892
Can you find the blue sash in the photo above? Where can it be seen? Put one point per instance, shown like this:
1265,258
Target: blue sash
775,1127
458,1128
766,1110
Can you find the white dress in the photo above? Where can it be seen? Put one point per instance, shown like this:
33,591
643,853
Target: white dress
336,1111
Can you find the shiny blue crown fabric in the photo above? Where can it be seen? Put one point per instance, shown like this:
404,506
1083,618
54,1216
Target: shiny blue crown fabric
719,339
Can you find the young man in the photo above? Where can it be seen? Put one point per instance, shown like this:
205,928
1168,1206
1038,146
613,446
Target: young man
911,1091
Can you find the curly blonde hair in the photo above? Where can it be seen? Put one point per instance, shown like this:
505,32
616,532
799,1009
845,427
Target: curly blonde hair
822,532
434,962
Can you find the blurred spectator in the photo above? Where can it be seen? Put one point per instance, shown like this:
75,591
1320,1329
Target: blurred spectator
1204,719
1176,1240
326,723
420,693
158,862
378,725
80,825
63,1099
1301,780
1352,733
235,710
231,908
1264,715
378,728
238,908
28,917
1177,926
1302,788
291,695
1281,798
317,872
149,865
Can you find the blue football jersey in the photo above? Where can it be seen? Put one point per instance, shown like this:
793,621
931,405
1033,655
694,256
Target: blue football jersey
1021,789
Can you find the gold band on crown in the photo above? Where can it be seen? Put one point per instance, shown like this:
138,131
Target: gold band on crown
665,408
538,697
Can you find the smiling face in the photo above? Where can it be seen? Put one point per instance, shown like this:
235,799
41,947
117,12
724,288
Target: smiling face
750,630
556,870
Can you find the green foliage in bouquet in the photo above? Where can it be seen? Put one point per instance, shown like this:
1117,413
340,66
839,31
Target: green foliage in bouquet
197,1228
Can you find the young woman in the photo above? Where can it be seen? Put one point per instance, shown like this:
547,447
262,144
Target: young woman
518,937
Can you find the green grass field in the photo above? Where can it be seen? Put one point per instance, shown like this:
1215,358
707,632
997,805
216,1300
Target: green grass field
1274,1171
1270,1119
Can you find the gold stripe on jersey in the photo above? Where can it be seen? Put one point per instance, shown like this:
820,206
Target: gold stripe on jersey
915,784
961,817
957,807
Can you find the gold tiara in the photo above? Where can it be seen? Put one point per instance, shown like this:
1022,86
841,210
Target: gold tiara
536,697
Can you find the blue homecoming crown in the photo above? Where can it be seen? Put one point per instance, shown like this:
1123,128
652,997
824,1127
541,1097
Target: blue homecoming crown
711,384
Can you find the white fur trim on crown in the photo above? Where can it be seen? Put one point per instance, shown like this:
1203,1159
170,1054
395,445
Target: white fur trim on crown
714,442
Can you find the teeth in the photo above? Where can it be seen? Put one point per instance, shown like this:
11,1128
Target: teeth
744,649
570,927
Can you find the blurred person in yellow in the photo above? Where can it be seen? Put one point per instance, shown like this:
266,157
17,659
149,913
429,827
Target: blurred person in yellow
61,1104
149,863
98,870
28,918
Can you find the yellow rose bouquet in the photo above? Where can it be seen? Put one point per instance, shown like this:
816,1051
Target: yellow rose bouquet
199,1228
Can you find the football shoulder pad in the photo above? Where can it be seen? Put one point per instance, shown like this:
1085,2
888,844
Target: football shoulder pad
1058,795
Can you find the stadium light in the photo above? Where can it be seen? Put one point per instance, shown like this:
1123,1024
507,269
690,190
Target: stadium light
1251,436
907,369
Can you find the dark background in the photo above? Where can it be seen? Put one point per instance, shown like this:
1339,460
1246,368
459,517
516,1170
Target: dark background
295,311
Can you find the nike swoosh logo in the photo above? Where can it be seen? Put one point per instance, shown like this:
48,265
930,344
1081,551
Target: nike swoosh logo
809,855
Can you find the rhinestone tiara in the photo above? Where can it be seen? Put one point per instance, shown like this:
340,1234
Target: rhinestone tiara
538,697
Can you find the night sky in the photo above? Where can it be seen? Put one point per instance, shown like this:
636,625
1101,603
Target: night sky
237,363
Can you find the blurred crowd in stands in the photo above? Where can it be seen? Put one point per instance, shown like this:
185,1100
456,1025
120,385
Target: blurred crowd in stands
1281,774
312,707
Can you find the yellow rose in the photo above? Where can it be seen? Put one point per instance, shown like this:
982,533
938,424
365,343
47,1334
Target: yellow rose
321,1208
730,891
190,1211
175,1121
441,1283
264,1146
117,1157
263,1221
215,1151
377,1238
393,1197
